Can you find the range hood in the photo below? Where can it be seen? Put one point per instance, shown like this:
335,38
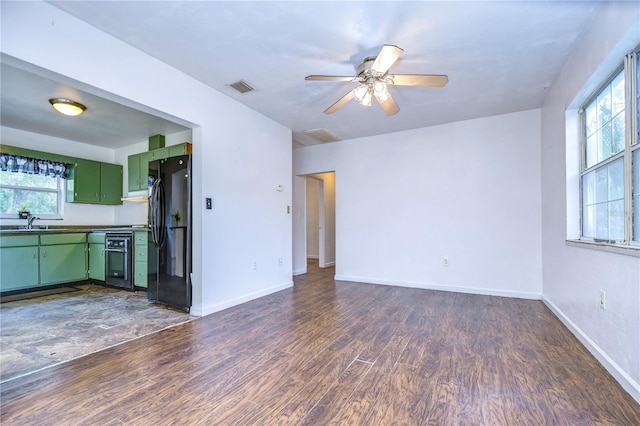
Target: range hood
137,197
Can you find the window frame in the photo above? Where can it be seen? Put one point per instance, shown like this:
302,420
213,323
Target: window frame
59,190
633,137
631,144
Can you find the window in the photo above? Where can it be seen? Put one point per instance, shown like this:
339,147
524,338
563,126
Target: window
32,185
610,171
635,147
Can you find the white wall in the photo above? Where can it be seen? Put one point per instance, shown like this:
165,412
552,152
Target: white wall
327,214
468,191
573,276
239,155
74,214
88,214
299,246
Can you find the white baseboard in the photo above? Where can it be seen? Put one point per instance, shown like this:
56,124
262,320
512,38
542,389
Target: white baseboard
313,256
299,271
329,264
233,302
455,289
630,385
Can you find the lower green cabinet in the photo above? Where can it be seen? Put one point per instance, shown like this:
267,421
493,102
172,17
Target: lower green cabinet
18,262
96,242
140,258
63,258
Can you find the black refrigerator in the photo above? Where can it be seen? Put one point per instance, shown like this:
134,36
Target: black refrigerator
170,235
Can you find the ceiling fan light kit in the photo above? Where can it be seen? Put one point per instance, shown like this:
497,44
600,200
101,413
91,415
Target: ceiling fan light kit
374,81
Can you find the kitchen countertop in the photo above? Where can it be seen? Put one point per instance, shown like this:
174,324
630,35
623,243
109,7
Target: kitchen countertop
71,229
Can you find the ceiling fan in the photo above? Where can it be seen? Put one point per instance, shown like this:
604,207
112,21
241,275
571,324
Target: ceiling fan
374,81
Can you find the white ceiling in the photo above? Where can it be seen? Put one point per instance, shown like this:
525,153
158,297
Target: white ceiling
500,56
25,95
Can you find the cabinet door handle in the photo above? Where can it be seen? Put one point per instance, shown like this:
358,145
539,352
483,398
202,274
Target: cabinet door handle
34,254
97,195
44,253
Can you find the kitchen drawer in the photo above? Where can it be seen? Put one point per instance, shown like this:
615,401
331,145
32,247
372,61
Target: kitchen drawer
141,238
54,239
140,253
96,238
18,240
140,274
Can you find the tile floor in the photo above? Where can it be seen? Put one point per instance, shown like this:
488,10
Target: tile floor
40,332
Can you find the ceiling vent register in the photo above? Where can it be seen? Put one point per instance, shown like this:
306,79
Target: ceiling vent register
242,86
322,135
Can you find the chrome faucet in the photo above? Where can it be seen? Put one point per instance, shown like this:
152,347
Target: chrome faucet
30,220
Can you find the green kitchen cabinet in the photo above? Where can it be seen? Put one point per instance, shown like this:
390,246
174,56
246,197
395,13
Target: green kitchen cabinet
180,149
160,154
140,258
63,258
110,183
96,242
138,164
18,262
138,171
94,182
84,180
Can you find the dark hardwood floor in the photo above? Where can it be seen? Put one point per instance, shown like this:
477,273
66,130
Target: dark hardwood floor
328,352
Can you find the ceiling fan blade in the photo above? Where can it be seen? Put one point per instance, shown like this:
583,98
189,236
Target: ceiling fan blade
427,80
331,78
387,56
341,102
389,105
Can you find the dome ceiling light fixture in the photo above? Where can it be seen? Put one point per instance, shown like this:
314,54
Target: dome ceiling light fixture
67,106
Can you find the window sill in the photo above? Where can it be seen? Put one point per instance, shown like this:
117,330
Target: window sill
610,248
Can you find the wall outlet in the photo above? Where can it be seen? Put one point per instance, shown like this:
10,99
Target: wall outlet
603,299
255,264
280,261
445,261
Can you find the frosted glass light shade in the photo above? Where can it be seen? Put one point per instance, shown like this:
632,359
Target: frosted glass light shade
380,90
67,107
360,92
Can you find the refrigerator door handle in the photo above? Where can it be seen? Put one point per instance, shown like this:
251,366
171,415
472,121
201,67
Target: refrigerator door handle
157,213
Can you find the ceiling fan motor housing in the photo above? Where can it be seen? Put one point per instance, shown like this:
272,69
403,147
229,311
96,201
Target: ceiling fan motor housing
364,70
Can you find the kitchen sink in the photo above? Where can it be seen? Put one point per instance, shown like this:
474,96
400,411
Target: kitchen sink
21,230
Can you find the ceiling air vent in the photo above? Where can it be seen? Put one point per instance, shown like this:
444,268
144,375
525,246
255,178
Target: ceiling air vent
242,86
322,135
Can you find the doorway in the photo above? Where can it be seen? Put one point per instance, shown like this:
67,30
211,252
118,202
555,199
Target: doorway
316,228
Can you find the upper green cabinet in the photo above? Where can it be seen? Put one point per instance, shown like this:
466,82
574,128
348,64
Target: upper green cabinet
138,169
138,164
180,149
94,182
110,183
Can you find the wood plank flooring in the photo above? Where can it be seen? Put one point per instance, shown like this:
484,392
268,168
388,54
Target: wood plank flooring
334,353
